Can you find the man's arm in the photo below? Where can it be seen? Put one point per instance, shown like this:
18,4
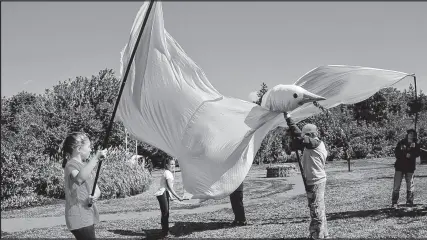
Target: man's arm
293,128
311,143
397,151
300,142
417,150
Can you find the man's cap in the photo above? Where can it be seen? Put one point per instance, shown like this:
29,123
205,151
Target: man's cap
309,128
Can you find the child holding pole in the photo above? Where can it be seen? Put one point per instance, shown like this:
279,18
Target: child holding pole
78,183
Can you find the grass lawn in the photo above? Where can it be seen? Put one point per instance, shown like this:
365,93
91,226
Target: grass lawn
357,205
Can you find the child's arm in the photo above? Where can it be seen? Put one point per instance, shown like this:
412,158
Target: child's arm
94,198
168,182
81,176
169,177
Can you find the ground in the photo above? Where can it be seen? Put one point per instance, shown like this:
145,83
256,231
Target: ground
357,205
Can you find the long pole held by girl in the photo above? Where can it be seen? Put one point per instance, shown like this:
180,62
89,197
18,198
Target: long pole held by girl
110,125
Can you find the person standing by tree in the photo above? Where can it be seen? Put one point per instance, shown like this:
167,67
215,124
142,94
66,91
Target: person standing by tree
406,152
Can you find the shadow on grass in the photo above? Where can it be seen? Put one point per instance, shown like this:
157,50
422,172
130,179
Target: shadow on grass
179,229
356,169
392,177
151,234
416,211
386,177
282,220
186,228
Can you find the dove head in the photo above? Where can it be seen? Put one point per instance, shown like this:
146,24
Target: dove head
296,96
285,98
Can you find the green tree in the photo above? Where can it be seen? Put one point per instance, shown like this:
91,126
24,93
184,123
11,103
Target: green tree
261,93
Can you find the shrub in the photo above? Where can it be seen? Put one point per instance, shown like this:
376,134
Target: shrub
360,150
20,201
16,177
334,153
50,180
36,181
119,178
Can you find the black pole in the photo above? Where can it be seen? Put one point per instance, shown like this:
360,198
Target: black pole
110,125
416,99
301,170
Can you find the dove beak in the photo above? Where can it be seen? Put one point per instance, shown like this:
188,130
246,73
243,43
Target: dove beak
310,97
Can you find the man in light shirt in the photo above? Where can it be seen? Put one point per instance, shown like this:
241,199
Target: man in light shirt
313,163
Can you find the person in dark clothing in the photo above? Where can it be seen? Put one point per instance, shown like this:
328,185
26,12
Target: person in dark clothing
406,152
236,199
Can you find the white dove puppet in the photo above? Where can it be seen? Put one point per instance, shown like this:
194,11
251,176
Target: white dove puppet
169,103
286,98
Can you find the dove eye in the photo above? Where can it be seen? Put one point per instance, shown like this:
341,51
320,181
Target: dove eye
295,95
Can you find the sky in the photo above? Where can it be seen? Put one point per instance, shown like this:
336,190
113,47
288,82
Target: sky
239,45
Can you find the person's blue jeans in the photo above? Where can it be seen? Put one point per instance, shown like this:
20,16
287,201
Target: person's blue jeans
316,202
410,186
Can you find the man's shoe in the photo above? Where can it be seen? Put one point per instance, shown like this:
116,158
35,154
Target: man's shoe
242,223
239,223
409,204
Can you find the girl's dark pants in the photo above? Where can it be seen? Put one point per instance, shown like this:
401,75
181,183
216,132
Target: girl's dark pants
164,207
86,233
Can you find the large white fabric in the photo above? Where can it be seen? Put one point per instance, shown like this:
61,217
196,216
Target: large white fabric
169,103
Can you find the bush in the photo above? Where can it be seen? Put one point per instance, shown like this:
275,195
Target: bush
36,181
334,153
20,201
50,180
422,138
292,157
119,178
16,177
360,150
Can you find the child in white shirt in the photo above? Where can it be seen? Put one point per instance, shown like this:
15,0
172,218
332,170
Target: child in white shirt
163,194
